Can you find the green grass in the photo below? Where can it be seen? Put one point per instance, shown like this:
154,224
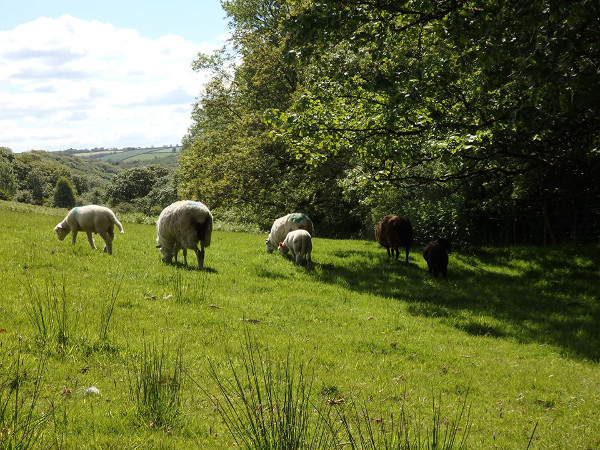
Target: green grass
516,328
143,154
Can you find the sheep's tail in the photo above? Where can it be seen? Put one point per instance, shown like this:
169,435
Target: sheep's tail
205,231
204,224
117,223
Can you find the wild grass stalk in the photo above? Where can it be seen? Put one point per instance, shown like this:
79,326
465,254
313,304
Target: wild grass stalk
108,310
193,289
62,317
358,432
178,287
20,426
48,312
267,404
156,388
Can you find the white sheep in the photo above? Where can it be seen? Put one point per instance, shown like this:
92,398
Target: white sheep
299,243
282,226
91,219
181,225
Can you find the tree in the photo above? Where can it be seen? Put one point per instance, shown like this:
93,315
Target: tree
8,181
498,95
8,184
230,160
135,183
64,194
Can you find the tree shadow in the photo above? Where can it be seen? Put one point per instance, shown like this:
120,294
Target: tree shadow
548,296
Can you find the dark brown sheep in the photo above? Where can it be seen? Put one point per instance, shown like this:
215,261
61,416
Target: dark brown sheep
436,255
393,232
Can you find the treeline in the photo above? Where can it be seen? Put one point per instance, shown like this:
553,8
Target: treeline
62,180
478,120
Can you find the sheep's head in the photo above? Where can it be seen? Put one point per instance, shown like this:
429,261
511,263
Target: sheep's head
167,255
270,246
283,249
62,231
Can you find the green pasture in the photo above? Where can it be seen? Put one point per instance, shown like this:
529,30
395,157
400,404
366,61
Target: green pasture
143,154
513,333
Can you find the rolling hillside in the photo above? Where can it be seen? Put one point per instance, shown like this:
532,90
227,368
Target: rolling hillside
154,155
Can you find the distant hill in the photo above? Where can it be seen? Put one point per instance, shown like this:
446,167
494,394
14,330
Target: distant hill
165,155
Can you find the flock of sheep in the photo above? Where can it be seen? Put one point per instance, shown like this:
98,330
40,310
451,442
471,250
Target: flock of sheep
184,224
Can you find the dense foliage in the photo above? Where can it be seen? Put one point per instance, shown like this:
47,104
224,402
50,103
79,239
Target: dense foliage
61,179
476,119
64,194
148,188
230,160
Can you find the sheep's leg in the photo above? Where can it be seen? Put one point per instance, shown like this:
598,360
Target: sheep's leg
73,237
299,258
107,242
200,257
388,252
407,250
185,256
90,239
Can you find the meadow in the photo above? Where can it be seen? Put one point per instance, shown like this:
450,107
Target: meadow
131,155
512,334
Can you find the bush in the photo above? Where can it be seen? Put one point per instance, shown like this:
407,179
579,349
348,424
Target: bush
64,194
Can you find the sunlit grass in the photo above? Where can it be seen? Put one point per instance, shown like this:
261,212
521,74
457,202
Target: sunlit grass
517,328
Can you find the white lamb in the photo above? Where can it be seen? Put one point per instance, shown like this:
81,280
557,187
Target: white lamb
282,226
91,219
299,243
181,225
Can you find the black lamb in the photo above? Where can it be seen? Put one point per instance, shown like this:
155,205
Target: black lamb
436,255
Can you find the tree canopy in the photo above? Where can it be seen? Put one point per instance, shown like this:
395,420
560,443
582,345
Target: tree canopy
471,115
64,193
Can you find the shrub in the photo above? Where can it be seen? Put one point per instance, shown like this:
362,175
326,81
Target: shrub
64,194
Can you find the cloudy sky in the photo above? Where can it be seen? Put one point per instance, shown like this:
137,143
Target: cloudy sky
78,74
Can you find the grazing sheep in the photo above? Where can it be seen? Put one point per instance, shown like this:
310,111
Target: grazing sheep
282,226
436,255
299,243
181,225
91,219
393,232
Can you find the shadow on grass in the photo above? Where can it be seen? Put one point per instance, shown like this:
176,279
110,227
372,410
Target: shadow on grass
192,268
544,295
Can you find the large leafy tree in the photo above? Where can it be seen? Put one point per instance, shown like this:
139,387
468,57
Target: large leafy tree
492,87
230,159
476,113
499,98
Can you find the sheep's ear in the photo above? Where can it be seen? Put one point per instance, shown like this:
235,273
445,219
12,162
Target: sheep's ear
281,244
158,246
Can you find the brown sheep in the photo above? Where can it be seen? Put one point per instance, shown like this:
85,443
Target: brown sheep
436,255
393,232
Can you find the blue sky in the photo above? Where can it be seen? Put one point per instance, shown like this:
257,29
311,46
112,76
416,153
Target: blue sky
194,20
80,74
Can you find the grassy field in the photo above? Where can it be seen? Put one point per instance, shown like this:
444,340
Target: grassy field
131,155
512,333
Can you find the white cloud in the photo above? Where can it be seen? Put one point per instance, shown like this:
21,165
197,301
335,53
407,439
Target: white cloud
71,83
